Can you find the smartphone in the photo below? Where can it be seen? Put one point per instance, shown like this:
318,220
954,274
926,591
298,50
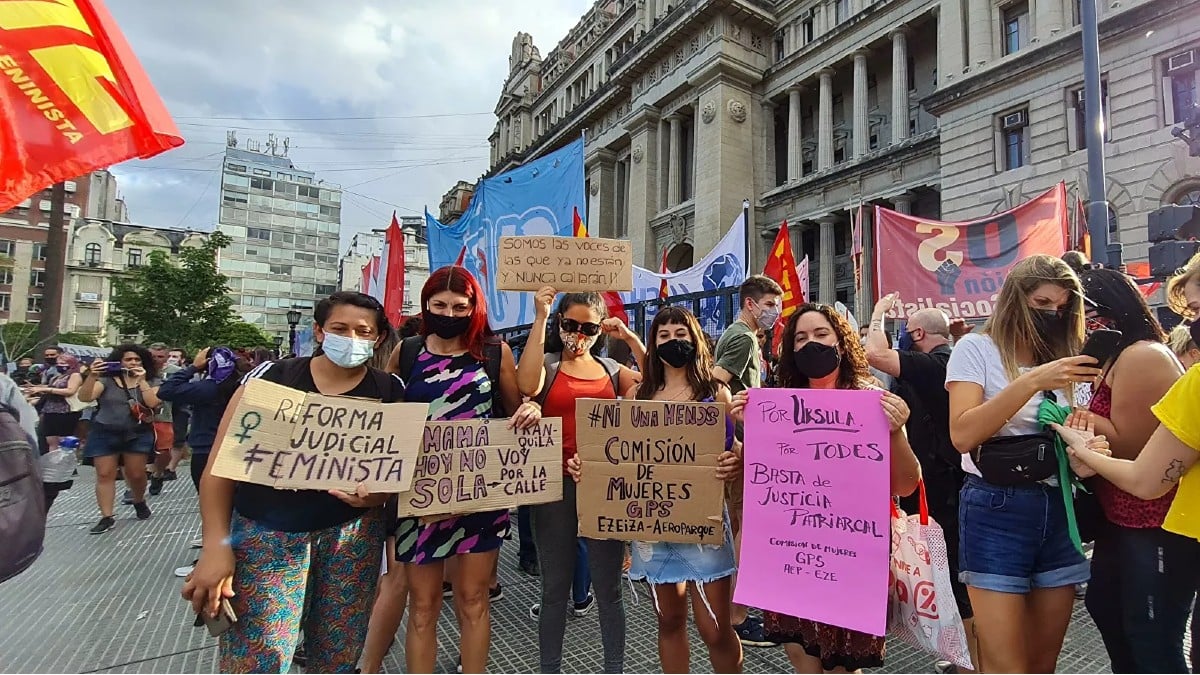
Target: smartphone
1102,345
113,367
222,622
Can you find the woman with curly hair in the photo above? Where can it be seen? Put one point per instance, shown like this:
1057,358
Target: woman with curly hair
123,386
820,350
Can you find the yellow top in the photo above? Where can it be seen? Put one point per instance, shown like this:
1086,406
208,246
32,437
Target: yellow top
1178,411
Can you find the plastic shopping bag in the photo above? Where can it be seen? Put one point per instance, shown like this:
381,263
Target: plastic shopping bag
921,606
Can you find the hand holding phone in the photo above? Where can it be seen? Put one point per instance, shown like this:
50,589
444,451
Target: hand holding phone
222,622
1102,345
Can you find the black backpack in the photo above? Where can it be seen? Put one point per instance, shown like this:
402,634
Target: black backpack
22,501
411,348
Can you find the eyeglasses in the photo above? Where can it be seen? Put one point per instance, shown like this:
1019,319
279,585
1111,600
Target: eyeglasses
572,326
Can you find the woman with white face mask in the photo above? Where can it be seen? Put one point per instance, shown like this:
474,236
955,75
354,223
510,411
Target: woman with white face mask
556,372
270,552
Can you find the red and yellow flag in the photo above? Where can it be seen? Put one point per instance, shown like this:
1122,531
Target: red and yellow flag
73,97
612,299
781,266
577,225
663,289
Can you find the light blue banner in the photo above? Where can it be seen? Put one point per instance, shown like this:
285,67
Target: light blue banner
538,198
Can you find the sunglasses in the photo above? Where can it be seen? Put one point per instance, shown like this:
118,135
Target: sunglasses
572,326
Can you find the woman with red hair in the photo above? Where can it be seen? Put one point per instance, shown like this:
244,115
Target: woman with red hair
450,373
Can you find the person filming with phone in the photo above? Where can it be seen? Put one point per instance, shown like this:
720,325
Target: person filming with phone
122,433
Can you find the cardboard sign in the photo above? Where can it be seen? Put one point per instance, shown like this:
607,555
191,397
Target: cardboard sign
481,465
290,439
649,470
817,507
569,264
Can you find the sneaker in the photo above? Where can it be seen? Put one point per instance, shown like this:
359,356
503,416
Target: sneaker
944,667
169,475
458,668
1080,591
128,497
496,593
535,612
143,511
156,484
447,590
750,632
530,567
581,608
182,572
106,523
198,542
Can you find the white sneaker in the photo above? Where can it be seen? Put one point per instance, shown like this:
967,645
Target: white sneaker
198,542
182,572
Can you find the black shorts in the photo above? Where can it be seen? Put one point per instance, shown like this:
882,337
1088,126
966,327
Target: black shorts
59,424
179,419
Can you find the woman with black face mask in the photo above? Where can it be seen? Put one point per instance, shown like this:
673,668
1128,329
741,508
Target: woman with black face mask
450,372
825,353
679,367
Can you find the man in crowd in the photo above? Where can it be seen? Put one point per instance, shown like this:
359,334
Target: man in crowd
164,422
177,359
21,376
739,364
920,375
50,367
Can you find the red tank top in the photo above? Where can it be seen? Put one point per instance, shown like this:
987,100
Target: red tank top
560,402
1120,507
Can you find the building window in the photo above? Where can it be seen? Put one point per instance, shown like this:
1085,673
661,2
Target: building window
34,304
261,172
325,289
39,251
6,276
1189,195
241,168
839,109
262,184
1016,27
134,257
258,233
5,302
281,269
780,47
1013,139
806,28
1181,78
91,254
839,150
1077,119
234,198
874,137
687,160
37,278
912,73
841,11
310,191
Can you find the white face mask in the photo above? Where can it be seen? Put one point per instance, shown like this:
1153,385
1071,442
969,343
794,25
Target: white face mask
347,352
767,317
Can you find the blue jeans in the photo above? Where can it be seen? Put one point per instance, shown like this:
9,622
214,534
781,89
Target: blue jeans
1140,596
1014,539
581,585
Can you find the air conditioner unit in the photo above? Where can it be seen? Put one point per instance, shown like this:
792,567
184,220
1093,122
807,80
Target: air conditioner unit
1181,60
1013,120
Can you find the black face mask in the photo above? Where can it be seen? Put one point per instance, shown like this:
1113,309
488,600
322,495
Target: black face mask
52,362
816,360
1194,329
1049,323
446,327
677,353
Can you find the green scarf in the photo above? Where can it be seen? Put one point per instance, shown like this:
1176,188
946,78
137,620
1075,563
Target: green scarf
1049,413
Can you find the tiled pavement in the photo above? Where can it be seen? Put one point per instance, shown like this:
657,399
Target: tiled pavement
111,604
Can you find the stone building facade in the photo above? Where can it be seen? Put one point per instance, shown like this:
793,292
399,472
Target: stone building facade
947,109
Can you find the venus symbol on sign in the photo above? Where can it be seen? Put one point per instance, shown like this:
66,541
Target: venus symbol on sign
250,421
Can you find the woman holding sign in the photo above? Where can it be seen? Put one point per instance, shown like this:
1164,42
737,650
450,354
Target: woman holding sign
556,373
270,552
450,373
826,353
679,365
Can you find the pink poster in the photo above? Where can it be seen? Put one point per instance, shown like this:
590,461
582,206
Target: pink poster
816,526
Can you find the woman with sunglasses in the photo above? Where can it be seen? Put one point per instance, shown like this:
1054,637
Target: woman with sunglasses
556,373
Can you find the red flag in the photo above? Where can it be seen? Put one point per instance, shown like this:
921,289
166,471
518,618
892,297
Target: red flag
781,266
1084,243
663,290
366,278
391,267
612,299
73,97
462,257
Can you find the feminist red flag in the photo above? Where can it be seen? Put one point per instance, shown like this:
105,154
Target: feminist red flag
73,97
960,267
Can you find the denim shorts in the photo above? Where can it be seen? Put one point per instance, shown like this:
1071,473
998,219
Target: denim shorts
1015,539
104,441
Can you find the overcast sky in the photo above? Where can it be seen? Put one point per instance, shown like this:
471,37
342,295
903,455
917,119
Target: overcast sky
418,71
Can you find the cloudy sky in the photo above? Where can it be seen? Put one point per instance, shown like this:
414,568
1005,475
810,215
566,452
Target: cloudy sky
391,99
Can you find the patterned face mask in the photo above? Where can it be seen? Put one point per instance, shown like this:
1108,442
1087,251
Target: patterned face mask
578,343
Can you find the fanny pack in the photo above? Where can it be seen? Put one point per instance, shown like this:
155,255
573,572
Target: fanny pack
1024,459
141,413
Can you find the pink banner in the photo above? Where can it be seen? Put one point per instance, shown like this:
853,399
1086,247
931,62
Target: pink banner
817,514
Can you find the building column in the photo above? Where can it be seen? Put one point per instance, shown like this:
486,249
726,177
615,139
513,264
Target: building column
899,85
768,147
1049,19
979,33
864,301
951,56
827,292
825,122
903,203
795,164
861,136
675,168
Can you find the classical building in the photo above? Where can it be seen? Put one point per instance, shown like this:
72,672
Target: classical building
363,247
949,109
102,250
285,224
455,201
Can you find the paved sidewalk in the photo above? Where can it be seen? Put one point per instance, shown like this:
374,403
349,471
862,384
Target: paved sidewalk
110,603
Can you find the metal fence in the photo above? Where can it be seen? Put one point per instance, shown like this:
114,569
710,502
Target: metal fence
715,310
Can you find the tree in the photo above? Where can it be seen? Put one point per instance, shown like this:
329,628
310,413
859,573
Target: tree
184,304
18,340
73,338
240,335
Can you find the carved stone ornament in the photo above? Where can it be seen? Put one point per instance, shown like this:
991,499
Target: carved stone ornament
709,113
737,110
637,154
594,188
679,229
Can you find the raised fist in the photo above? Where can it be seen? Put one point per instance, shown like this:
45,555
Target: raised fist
947,275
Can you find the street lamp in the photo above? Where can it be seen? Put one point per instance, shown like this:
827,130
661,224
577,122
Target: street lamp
278,345
293,318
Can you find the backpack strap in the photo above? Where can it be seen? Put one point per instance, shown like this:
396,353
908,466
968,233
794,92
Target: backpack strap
386,385
410,349
493,353
290,371
554,361
614,373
